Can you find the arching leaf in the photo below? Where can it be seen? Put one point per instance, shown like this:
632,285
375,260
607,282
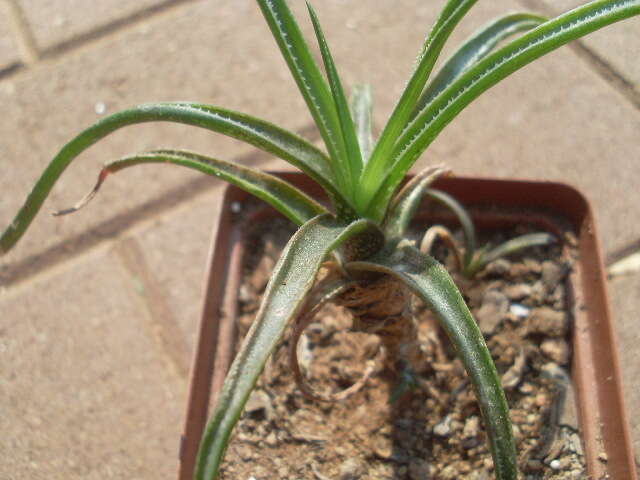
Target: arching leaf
353,158
310,82
485,74
290,282
405,203
361,106
257,132
282,196
430,281
478,46
381,158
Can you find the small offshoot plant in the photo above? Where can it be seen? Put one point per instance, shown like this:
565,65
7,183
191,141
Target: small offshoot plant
359,235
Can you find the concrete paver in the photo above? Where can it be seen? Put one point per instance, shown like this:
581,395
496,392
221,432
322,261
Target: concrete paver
48,106
86,393
625,304
533,125
9,53
175,247
55,22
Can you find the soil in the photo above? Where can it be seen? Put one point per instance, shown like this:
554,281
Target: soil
434,431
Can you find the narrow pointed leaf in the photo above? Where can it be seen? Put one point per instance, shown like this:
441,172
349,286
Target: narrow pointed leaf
379,162
478,46
353,158
510,247
282,196
309,79
468,229
405,203
257,132
361,109
284,298
488,72
430,282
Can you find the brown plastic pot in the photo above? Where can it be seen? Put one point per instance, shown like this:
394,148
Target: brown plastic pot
500,203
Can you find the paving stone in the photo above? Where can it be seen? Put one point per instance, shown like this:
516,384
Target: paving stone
175,249
58,21
9,53
47,106
625,300
618,45
544,127
86,392
547,122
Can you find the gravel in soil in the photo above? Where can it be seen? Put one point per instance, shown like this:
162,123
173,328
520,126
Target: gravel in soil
434,431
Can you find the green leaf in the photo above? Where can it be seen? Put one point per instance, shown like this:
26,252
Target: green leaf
510,247
282,196
478,46
257,132
406,202
284,298
361,113
430,282
353,157
310,82
468,229
485,74
379,163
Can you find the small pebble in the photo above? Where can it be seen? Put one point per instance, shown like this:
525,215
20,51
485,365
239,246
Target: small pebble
418,469
494,307
555,464
518,291
519,310
552,275
526,388
541,399
549,322
351,469
271,439
498,267
556,349
443,428
100,108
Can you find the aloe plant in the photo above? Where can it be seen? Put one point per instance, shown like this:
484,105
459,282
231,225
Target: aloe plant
359,236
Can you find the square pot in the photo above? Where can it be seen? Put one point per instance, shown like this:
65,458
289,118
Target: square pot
595,369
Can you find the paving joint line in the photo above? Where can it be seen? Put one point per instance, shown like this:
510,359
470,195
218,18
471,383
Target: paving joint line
11,69
598,64
26,40
23,270
94,36
163,325
621,253
116,26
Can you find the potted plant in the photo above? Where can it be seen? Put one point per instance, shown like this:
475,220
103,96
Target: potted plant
497,206
359,235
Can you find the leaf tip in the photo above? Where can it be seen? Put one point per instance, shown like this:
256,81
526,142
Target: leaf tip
87,198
